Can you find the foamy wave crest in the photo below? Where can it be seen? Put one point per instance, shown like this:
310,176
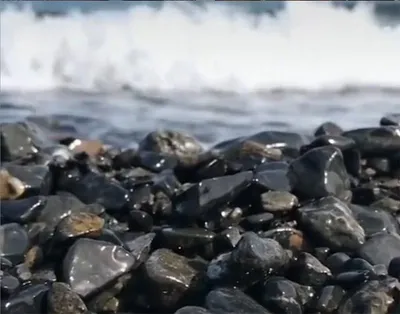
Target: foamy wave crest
183,47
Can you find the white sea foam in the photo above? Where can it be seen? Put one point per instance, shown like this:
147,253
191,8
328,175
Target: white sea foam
182,47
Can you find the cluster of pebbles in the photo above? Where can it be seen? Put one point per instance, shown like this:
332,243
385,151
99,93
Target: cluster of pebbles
275,222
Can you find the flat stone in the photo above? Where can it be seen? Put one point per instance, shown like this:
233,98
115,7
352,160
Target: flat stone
14,242
278,201
79,224
90,265
211,193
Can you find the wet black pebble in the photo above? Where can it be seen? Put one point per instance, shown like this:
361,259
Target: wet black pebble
376,142
381,249
328,299
280,296
96,188
14,242
23,210
201,198
90,265
171,279
30,300
272,176
308,270
319,172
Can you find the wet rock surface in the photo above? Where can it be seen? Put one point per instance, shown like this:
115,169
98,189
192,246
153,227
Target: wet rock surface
274,222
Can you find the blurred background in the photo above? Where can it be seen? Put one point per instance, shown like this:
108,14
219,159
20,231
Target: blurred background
116,70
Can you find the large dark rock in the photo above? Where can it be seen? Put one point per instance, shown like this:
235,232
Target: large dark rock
381,249
90,265
308,270
332,223
319,172
376,142
374,220
272,176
